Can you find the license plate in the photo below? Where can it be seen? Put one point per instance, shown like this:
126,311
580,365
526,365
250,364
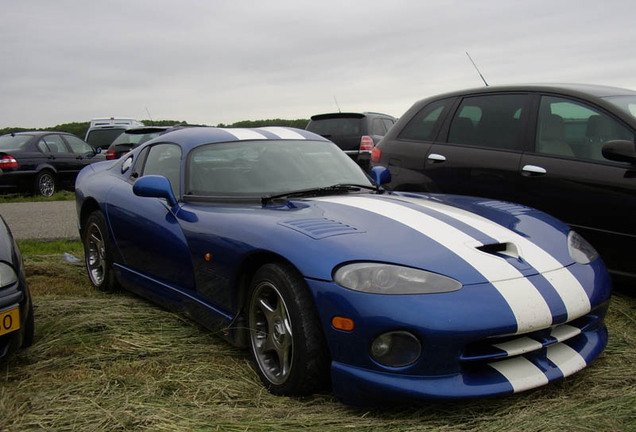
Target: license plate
9,321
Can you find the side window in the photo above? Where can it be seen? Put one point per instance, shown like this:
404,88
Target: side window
378,128
570,128
426,123
165,160
54,143
489,121
77,145
43,147
388,123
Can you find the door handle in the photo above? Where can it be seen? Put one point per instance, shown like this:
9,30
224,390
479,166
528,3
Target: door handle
436,157
533,170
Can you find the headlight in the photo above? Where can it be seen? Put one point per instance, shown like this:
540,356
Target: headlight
377,278
580,250
7,275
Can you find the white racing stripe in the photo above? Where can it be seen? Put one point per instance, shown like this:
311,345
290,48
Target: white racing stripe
567,359
283,132
565,332
570,290
519,346
245,134
528,306
520,373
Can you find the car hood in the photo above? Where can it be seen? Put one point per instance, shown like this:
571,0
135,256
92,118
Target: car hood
469,239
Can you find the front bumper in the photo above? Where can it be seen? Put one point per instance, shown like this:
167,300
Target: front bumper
470,341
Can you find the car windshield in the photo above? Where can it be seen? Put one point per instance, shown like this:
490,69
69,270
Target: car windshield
264,168
12,142
624,103
336,126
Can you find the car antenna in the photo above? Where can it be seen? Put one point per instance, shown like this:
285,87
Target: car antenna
149,116
480,75
336,101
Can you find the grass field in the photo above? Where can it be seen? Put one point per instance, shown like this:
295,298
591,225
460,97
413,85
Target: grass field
114,362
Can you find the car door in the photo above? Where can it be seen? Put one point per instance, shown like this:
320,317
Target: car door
567,176
479,150
145,230
83,153
58,156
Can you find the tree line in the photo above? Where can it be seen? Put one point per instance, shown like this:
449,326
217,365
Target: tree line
79,128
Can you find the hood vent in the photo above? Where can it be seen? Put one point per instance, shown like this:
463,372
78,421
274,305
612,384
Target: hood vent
319,228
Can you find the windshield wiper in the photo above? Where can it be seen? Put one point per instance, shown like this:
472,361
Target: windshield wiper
326,190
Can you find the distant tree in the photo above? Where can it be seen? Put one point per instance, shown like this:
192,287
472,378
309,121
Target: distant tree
299,123
164,122
79,128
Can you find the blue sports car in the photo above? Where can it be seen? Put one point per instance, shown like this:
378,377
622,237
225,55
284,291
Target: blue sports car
277,240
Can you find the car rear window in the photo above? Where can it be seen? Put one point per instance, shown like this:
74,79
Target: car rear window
11,142
337,126
103,137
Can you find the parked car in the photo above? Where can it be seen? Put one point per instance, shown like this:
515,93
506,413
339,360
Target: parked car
132,138
103,131
565,149
355,133
42,161
16,309
277,240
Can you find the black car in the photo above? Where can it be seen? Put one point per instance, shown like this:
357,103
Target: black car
42,161
133,137
565,149
355,133
16,310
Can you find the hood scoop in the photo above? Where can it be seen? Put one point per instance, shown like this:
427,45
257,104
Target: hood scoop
503,250
319,228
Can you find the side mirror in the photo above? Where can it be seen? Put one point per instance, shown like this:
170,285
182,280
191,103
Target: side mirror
155,186
380,175
620,151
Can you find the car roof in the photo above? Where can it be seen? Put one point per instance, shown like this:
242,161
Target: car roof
140,130
577,90
193,136
38,133
348,115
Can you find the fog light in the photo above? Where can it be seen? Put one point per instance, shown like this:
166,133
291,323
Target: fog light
396,349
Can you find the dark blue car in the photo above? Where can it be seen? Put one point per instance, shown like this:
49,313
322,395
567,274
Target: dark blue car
277,240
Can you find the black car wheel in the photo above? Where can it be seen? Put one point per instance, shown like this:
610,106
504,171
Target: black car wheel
45,183
97,252
286,340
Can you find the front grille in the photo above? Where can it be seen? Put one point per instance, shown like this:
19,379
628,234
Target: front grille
502,347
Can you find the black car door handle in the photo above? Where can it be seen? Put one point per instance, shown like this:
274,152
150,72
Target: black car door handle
436,157
533,170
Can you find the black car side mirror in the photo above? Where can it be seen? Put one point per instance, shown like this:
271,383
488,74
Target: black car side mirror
620,151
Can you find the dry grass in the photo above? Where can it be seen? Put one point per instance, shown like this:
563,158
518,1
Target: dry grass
116,363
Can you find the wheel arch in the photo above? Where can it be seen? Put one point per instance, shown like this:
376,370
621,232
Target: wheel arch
245,274
88,206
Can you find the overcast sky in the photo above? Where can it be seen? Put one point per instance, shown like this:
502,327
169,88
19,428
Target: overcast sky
222,61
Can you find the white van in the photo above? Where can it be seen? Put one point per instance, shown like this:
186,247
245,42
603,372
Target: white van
103,131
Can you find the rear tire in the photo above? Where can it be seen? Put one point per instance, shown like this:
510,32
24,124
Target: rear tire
98,253
45,183
286,340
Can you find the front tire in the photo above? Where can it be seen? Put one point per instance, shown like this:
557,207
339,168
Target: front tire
286,340
98,253
45,184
